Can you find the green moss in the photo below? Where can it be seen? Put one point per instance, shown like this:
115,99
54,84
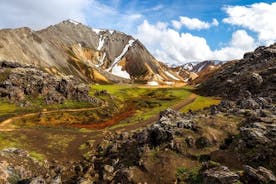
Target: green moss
189,176
37,156
7,108
200,103
5,75
11,140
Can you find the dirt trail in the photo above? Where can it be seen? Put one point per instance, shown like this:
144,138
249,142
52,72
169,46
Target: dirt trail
5,125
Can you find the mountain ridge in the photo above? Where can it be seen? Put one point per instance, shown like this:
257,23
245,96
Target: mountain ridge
92,55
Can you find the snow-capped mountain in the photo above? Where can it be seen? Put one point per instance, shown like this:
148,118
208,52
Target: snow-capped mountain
92,55
195,70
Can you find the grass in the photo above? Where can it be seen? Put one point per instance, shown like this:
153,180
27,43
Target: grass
59,142
37,156
146,101
190,176
7,108
200,103
12,140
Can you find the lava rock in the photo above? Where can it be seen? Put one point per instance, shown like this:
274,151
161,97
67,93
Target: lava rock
219,175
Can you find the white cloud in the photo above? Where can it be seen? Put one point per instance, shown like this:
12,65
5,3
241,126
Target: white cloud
39,14
240,39
112,18
193,23
258,17
240,43
172,47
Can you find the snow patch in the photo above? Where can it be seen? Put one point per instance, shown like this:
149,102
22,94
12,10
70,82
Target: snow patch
116,60
118,71
169,83
97,31
101,42
111,31
189,66
171,75
73,22
152,83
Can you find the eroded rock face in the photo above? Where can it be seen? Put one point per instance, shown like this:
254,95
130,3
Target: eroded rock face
17,82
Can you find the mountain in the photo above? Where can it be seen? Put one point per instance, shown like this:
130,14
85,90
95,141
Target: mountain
92,55
195,72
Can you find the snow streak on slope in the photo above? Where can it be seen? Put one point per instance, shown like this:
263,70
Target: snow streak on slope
101,42
101,60
153,83
114,68
171,75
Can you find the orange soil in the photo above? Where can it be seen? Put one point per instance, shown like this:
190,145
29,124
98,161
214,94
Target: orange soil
108,123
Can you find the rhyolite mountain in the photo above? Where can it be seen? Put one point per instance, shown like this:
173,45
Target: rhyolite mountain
92,55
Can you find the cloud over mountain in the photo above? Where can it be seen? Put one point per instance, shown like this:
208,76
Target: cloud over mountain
173,47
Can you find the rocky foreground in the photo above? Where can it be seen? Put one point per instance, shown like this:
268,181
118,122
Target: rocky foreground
20,83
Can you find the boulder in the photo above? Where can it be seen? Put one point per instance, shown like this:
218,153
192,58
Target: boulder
259,175
158,135
219,175
254,136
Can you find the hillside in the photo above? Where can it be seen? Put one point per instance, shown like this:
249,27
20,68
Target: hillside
92,55
253,75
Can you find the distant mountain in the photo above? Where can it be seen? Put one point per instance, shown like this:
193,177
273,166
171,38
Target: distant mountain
92,55
195,72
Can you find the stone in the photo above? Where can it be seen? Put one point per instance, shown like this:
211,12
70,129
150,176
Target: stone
38,180
158,135
109,168
260,174
254,136
220,175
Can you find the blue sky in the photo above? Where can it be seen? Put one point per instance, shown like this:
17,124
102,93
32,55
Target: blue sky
175,31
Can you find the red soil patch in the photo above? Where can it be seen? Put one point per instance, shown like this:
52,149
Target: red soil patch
101,125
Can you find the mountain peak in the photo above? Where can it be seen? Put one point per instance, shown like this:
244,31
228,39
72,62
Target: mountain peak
71,21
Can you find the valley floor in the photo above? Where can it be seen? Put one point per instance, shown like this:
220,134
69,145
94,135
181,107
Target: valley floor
59,132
